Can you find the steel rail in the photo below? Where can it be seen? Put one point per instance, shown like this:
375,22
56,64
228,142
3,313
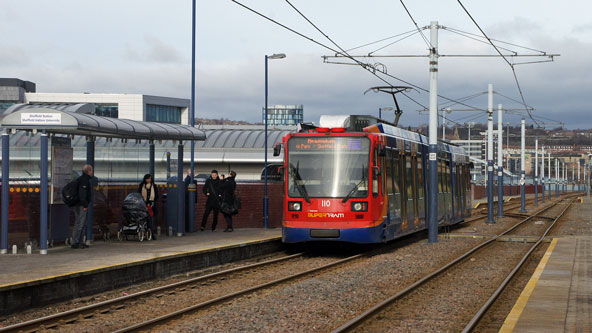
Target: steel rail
380,306
483,310
167,317
55,319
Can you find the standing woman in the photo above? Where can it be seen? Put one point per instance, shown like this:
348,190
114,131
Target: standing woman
149,193
228,187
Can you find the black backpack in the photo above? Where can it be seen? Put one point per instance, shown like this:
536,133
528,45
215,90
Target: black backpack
70,193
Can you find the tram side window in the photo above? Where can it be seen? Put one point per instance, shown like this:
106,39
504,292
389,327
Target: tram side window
448,179
389,171
408,178
420,183
375,173
397,173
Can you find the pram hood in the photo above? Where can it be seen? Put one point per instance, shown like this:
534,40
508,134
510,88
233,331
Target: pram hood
134,208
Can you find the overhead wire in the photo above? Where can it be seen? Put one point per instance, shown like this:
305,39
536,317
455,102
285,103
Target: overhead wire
495,40
513,100
343,50
393,43
365,66
382,40
478,40
505,59
425,39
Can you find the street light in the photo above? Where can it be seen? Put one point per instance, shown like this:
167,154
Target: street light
265,197
388,108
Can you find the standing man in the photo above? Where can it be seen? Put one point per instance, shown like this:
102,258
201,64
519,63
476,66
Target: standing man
212,191
84,188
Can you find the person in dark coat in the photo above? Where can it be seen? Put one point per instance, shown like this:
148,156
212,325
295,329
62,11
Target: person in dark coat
213,192
149,192
228,187
84,188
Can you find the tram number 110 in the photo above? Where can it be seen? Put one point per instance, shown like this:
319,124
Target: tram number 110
325,203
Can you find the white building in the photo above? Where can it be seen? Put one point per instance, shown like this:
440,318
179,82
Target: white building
125,106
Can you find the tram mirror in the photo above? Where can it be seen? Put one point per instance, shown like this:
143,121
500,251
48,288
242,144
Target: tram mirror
376,171
277,149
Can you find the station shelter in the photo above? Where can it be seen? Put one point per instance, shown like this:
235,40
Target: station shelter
57,126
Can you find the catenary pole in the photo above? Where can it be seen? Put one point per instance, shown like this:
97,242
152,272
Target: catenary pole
522,169
556,178
543,172
587,177
536,171
500,161
549,177
433,137
490,155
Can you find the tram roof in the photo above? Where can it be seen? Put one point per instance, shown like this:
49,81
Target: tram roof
77,120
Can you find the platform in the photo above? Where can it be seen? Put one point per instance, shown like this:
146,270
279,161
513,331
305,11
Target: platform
558,297
64,273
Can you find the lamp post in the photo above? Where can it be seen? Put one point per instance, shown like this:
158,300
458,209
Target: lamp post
265,197
388,108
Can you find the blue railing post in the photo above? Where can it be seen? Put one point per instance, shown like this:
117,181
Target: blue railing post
5,188
43,200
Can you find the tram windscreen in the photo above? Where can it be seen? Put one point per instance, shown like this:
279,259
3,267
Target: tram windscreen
328,167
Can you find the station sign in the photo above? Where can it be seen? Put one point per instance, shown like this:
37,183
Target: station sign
41,118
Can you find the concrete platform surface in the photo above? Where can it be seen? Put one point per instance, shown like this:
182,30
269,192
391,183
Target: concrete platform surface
558,297
61,261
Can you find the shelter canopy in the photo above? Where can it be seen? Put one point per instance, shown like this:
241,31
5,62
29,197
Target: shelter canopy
77,120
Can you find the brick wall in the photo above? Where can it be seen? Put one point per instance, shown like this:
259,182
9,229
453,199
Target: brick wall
508,190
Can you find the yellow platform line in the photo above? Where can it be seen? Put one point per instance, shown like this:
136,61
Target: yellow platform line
131,263
514,315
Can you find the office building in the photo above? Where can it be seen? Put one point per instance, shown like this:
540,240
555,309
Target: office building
284,115
126,106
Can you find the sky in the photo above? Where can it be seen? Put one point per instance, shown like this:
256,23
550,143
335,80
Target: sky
144,46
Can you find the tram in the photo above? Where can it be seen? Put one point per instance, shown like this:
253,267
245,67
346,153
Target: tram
357,179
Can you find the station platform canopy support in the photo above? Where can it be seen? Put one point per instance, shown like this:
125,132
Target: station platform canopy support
78,120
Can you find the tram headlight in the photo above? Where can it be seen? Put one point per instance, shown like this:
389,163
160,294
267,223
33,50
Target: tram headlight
359,206
295,206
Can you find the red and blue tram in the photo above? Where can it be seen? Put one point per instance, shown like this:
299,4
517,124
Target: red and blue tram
368,186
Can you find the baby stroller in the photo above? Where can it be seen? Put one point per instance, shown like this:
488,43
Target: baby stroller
137,219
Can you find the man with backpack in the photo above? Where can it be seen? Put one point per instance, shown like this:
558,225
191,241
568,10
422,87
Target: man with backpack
81,206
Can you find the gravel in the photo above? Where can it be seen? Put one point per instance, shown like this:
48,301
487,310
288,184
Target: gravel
326,300
448,303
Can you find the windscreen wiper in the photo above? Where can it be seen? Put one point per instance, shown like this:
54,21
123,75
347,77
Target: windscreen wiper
301,189
355,188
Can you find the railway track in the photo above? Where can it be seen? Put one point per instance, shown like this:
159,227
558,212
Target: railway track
376,311
71,316
97,310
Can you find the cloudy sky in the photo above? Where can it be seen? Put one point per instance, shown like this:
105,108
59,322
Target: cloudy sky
144,46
